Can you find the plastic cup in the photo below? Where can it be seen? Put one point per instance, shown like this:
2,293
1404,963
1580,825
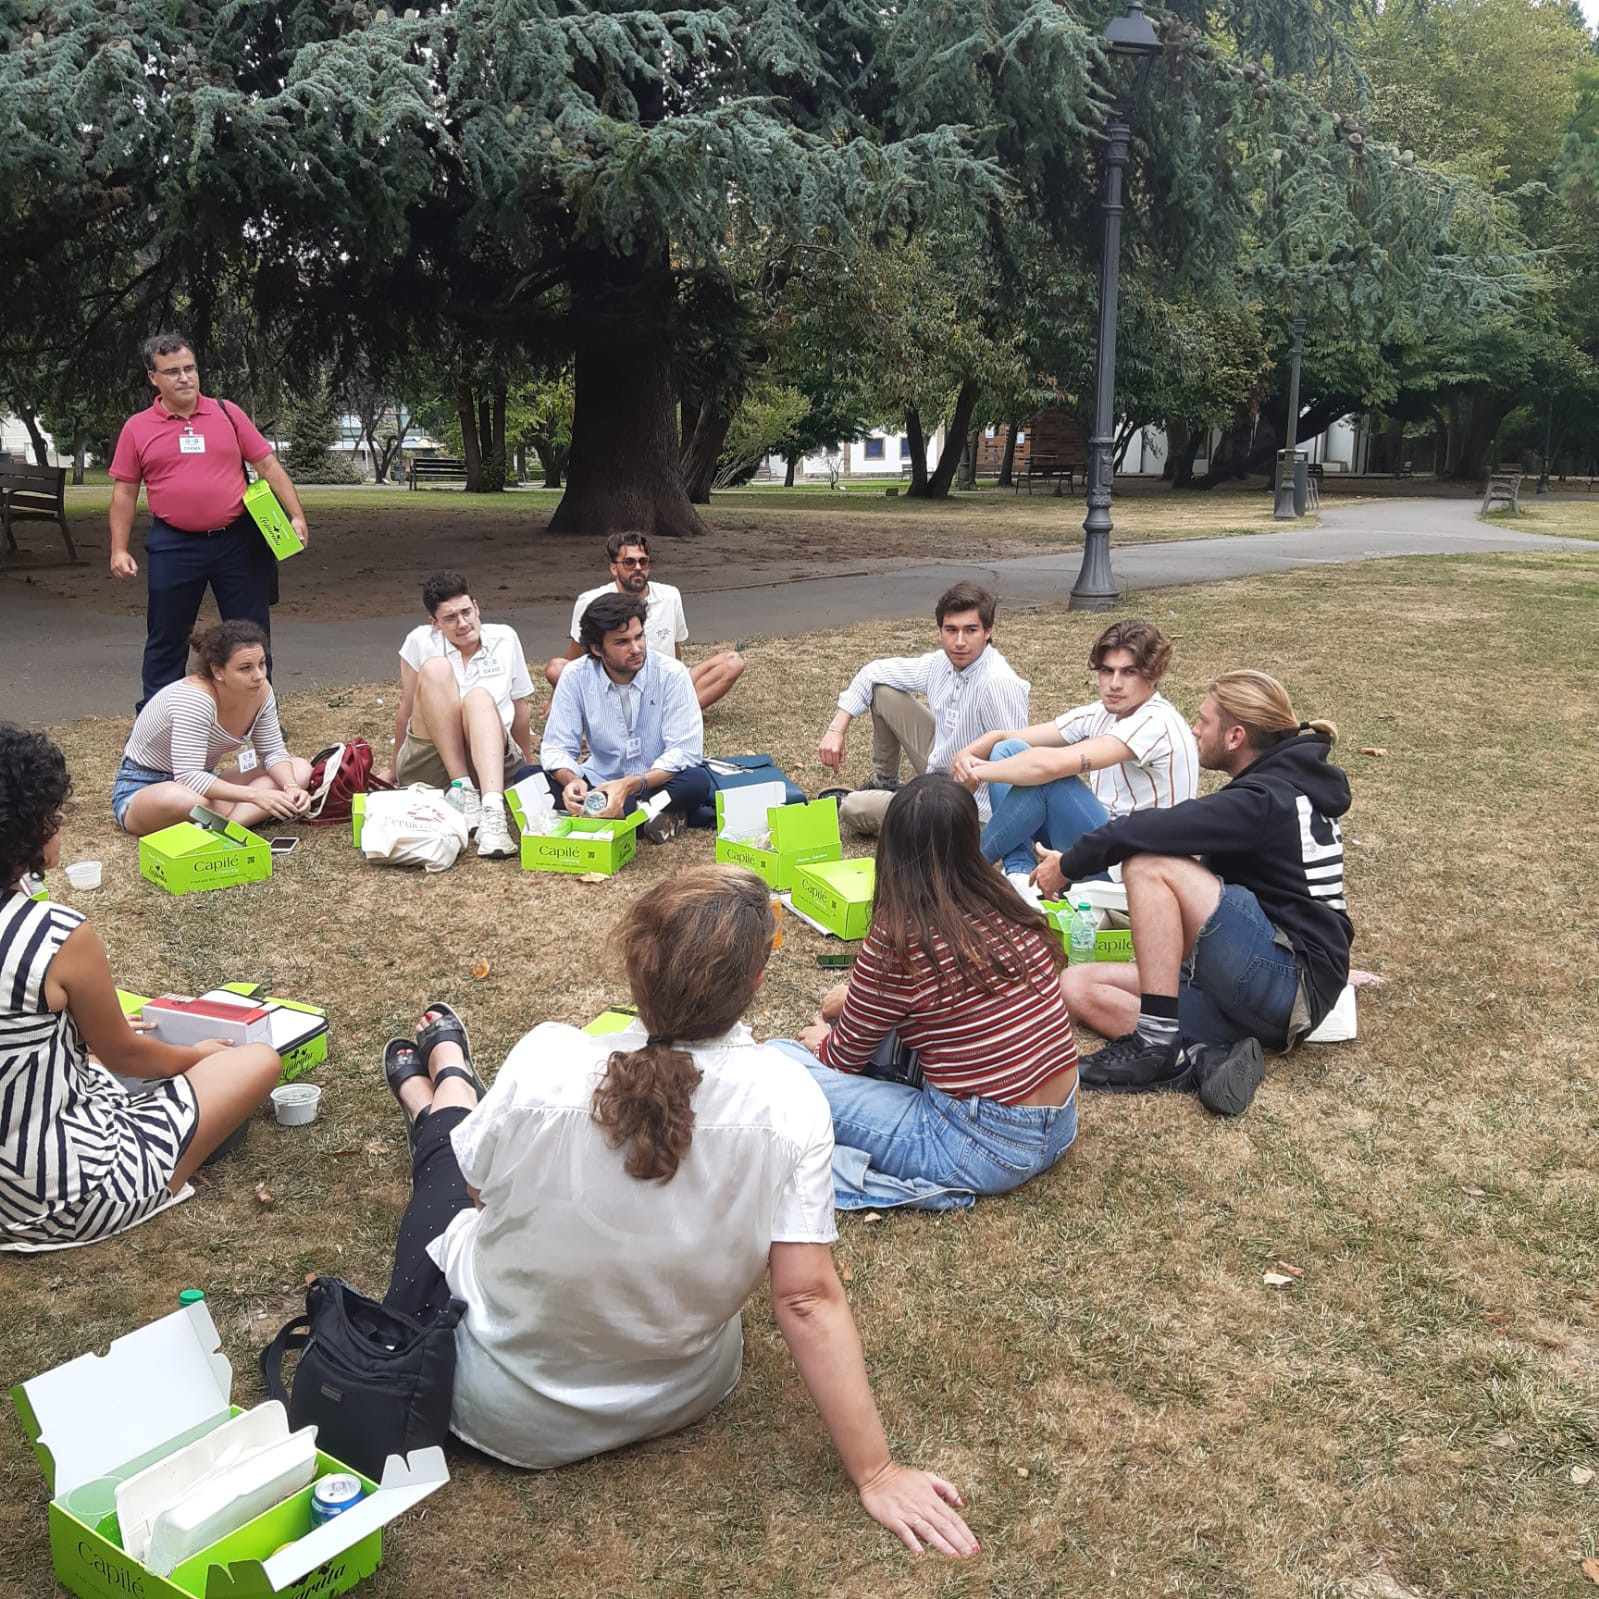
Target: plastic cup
295,1104
84,874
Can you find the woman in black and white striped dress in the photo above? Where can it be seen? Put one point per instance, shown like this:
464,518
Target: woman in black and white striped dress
80,1157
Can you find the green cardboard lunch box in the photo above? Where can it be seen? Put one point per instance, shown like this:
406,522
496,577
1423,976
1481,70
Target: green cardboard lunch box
572,846
1110,943
204,852
299,1032
794,835
838,894
273,521
615,1020
99,1417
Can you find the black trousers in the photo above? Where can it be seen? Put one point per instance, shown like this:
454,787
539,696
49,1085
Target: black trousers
438,1192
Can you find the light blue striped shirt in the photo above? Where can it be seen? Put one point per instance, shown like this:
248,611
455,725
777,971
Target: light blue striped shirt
658,709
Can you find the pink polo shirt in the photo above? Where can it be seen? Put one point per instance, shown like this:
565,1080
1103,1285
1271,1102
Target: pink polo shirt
194,491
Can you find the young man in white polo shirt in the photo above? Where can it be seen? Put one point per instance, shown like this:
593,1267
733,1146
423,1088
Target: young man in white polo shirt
1129,750
665,626
465,710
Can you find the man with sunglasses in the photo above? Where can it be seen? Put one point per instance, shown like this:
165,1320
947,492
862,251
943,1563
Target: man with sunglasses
189,450
665,627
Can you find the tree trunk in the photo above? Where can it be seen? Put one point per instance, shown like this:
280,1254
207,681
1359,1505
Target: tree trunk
1182,459
521,462
494,477
1007,467
471,454
41,450
936,486
1238,459
623,472
552,461
918,443
788,476
1482,428
80,450
703,449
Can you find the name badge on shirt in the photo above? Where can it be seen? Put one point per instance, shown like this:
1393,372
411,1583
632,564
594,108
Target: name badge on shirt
632,748
246,761
191,443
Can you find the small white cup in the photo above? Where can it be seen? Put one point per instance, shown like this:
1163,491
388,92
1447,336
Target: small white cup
84,874
295,1104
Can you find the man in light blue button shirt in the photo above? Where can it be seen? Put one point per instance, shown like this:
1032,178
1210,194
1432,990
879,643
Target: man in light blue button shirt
638,710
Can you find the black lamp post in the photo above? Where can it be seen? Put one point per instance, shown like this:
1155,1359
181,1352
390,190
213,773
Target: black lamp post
1129,38
1287,506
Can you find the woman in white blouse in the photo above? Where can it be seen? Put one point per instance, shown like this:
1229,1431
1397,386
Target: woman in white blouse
225,709
609,1206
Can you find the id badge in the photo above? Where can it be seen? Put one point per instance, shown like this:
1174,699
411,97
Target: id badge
191,443
631,749
247,761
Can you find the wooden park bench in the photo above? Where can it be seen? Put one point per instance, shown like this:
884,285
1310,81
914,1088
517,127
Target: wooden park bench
432,469
1504,493
33,494
1059,468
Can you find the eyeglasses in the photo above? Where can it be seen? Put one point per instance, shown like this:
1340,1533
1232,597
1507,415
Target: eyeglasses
633,560
176,371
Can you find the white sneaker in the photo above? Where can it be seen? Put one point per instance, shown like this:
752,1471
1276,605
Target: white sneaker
494,837
1019,881
466,799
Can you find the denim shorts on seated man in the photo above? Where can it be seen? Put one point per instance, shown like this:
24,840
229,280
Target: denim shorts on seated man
1242,980
130,778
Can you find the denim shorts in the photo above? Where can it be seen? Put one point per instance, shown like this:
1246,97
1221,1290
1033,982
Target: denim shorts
1242,978
130,778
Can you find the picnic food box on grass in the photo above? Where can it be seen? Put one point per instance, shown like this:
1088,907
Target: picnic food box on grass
576,843
99,1418
272,519
1107,900
837,895
298,1032
207,851
755,828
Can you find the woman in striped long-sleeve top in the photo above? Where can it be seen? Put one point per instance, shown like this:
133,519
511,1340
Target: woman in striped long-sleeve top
224,709
962,973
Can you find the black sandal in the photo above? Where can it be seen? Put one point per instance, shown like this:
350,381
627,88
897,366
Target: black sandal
401,1062
447,1027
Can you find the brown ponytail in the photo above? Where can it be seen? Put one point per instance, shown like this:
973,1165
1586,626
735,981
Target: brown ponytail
694,949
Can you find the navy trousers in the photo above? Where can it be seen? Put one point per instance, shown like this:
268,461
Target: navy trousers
241,571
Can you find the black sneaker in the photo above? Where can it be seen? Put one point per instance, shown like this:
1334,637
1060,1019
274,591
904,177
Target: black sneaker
882,785
1227,1075
664,825
1129,1065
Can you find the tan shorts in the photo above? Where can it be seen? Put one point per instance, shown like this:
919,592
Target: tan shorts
419,761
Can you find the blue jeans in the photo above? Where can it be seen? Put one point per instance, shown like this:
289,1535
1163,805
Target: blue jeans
1241,979
924,1134
130,778
241,570
1055,814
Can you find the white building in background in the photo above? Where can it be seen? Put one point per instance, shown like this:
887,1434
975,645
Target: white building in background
879,454
14,441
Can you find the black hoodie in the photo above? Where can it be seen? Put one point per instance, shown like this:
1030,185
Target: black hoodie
1273,831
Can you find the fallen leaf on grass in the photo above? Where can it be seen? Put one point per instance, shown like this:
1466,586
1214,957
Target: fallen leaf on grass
1360,979
1293,1271
1590,1569
845,1274
1473,1193
342,1154
1372,749
870,1215
593,877
481,969
264,1195
377,1147
1487,1002
1276,1279
310,1277
1582,1475
1502,1440
1022,1471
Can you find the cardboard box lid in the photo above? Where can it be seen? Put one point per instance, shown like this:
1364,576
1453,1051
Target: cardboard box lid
805,826
741,812
851,879
97,1412
185,839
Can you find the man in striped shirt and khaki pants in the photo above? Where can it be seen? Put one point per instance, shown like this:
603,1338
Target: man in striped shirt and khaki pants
969,689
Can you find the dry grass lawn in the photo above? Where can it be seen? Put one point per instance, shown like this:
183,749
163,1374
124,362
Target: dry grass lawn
1094,1359
1574,515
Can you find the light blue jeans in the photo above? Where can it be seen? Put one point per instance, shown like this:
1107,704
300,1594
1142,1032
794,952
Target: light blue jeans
1055,814
924,1135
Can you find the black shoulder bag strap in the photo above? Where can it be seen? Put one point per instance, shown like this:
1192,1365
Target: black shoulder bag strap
295,1335
237,440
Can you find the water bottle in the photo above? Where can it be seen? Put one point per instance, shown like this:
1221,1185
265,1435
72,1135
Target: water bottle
1081,934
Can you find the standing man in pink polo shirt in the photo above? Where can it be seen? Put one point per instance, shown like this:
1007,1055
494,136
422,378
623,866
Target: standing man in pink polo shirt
189,452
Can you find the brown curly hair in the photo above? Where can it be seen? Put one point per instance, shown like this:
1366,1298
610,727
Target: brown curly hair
694,950
1151,649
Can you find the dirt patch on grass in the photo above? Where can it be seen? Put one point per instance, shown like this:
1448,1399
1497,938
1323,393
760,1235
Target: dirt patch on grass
1095,1359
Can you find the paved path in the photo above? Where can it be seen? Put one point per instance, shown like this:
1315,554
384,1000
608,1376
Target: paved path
58,662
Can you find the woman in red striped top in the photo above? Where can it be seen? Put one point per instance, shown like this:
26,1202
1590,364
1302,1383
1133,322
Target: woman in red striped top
965,977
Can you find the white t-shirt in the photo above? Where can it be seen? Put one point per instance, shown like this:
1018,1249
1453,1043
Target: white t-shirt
1164,770
499,665
665,626
603,1309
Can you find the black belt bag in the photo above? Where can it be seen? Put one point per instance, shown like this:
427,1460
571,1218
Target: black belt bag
373,1382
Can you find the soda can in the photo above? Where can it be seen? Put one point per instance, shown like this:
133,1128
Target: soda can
333,1495
595,801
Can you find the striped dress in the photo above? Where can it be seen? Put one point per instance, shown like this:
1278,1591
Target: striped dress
80,1158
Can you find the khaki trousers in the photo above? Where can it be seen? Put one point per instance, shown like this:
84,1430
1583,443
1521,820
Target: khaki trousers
902,728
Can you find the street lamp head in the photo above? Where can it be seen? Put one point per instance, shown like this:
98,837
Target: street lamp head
1133,34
